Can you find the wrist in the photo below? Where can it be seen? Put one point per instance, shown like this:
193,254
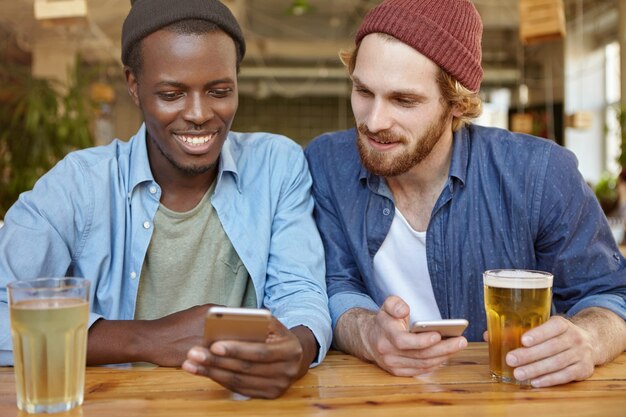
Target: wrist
309,345
118,341
365,323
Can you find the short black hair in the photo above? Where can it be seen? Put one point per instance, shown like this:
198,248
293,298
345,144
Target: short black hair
183,27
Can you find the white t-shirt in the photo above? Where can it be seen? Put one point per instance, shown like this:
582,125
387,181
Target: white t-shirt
400,268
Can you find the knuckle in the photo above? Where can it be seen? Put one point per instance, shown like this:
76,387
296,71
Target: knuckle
291,372
382,346
263,354
395,372
562,323
278,388
235,380
388,361
396,340
430,363
586,371
297,353
246,365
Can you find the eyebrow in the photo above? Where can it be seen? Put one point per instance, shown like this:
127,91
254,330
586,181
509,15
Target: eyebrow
412,93
176,84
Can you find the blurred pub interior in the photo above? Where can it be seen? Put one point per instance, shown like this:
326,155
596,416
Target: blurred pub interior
552,69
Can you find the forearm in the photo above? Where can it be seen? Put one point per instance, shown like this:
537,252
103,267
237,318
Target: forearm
350,333
309,345
117,341
608,331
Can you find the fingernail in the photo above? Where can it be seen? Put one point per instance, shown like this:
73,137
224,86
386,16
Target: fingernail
197,355
511,360
218,349
190,367
527,340
520,375
462,344
433,339
536,383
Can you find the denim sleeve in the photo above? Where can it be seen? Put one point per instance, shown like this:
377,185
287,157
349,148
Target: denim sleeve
295,290
575,242
40,235
346,289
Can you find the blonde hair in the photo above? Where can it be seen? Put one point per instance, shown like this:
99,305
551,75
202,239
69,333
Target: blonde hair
453,93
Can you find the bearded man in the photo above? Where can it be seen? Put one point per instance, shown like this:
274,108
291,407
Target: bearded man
416,203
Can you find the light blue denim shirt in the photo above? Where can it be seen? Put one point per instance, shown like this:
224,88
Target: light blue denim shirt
511,201
91,216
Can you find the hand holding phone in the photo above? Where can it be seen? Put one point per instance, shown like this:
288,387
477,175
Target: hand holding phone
231,323
446,327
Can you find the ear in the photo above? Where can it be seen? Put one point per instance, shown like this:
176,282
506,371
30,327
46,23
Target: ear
456,111
132,84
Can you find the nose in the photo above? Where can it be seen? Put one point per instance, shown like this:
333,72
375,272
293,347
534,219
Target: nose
198,109
378,117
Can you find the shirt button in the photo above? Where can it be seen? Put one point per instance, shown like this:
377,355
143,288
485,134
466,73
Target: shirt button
146,225
133,275
153,190
386,212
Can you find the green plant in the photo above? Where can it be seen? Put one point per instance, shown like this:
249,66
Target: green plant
299,7
40,122
620,112
606,193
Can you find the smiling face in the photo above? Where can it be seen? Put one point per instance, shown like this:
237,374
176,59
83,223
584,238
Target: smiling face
187,92
399,111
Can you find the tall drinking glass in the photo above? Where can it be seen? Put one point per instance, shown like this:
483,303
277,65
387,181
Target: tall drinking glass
515,301
49,328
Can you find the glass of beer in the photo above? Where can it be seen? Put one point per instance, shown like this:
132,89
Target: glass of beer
515,301
49,328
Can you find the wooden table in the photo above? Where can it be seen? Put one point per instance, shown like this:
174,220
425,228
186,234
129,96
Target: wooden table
344,386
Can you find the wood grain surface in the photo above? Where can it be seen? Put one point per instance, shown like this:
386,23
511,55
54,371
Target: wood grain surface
343,386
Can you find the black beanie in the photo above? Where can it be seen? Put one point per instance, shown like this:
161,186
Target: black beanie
148,16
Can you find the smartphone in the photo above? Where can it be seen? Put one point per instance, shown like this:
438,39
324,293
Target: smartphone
231,323
446,327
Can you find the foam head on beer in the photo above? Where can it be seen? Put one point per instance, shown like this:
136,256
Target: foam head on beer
517,278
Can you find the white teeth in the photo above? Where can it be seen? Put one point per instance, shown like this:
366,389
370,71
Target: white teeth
195,140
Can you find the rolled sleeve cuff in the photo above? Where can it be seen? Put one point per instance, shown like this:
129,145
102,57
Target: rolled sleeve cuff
93,317
320,331
613,302
342,302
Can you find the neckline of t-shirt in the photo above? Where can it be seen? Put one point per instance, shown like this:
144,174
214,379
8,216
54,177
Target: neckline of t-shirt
408,225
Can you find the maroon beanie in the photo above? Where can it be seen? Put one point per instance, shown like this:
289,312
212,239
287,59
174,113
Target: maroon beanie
448,32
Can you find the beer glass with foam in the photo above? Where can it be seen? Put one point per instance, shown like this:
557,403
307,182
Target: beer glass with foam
49,328
515,302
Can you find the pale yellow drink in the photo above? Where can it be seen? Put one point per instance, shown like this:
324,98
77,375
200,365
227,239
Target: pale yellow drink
49,347
515,302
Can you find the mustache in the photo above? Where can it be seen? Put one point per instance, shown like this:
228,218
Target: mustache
381,136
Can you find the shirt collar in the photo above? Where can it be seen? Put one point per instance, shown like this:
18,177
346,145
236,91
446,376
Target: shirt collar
139,163
460,155
227,161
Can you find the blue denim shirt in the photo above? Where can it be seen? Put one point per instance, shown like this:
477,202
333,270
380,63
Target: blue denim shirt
511,201
91,216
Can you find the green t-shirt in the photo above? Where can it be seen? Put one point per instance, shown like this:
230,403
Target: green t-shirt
191,261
